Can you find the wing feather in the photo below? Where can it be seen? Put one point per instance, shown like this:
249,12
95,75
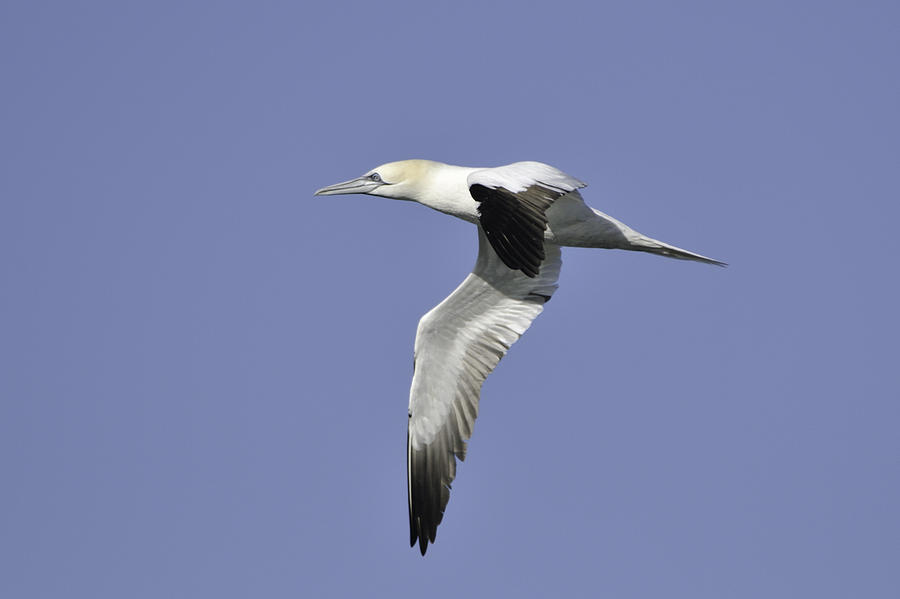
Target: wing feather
512,205
458,344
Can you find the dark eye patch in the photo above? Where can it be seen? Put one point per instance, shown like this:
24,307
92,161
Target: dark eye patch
375,177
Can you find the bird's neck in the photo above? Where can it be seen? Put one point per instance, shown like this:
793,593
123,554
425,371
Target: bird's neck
447,191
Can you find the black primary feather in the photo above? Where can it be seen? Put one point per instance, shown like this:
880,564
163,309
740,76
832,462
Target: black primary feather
514,222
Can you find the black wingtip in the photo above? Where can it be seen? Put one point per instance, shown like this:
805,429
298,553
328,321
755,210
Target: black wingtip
417,535
515,222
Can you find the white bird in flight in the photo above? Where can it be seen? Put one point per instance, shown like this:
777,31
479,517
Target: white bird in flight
524,213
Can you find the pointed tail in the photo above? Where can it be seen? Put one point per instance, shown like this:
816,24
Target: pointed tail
642,243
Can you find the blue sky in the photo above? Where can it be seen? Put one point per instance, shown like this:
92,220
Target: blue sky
205,368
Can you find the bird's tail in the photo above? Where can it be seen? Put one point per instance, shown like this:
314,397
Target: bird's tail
642,243
606,232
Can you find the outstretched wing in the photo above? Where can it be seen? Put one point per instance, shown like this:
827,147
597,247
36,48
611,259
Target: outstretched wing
458,343
512,205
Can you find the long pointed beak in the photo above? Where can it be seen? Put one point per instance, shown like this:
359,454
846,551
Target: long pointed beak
358,185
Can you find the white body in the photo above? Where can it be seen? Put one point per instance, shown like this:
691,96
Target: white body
573,223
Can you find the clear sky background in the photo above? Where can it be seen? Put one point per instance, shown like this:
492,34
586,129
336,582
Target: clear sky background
205,369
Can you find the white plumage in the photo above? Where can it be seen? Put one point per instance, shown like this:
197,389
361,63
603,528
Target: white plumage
524,212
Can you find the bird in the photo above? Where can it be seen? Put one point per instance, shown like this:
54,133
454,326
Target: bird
524,213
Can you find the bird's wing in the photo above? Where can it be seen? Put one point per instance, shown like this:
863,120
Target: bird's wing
512,205
458,343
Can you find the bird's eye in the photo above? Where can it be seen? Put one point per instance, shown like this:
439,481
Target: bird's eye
375,177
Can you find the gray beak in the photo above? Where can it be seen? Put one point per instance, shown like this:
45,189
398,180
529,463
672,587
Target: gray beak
358,185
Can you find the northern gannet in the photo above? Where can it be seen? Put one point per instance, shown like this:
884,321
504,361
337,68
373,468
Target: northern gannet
524,213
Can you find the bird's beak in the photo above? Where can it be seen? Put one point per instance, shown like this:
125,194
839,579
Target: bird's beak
358,185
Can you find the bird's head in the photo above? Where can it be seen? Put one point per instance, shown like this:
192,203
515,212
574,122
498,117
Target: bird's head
401,180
